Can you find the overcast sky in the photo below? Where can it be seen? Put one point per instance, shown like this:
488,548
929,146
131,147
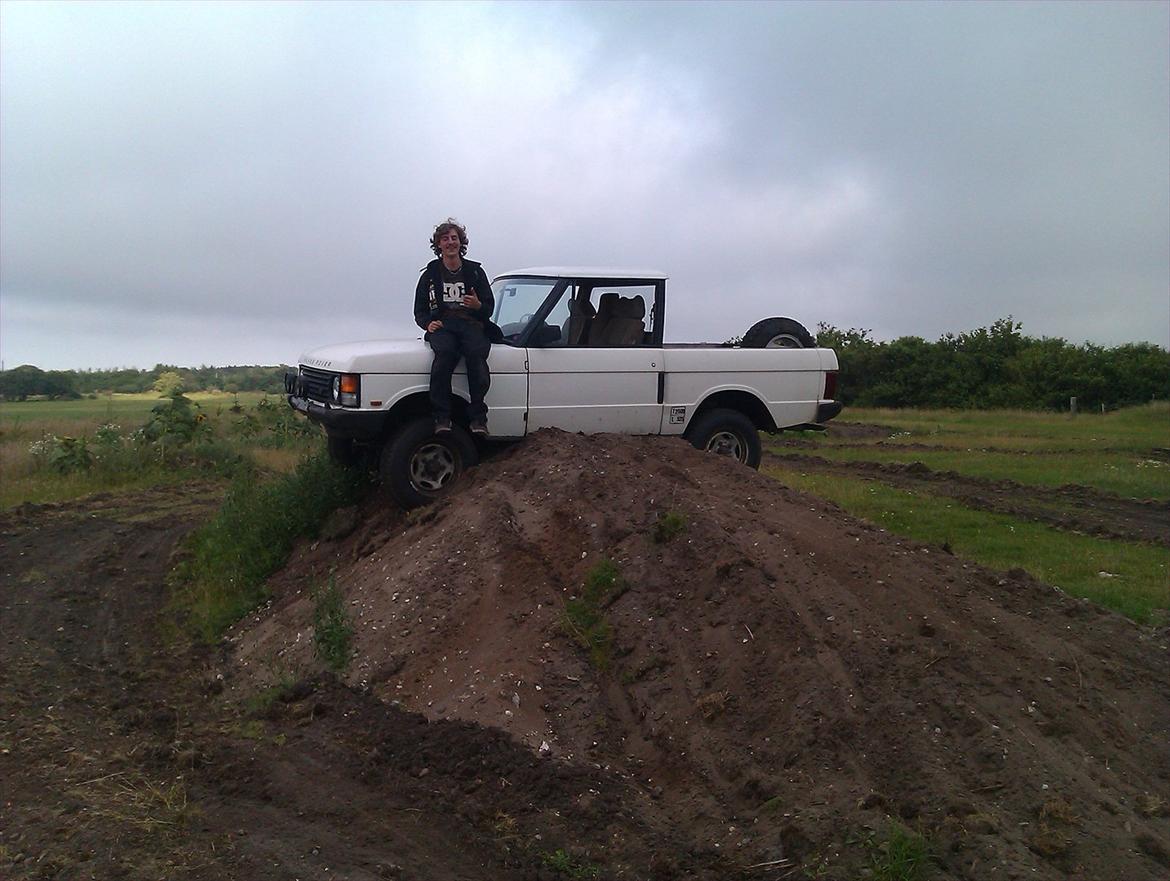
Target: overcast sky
217,183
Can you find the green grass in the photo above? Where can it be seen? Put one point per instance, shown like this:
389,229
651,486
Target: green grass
899,855
1132,428
250,538
132,408
332,628
668,525
270,436
39,489
1128,475
1139,588
1111,452
584,616
566,866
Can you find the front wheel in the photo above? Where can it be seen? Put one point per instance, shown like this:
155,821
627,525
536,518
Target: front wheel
726,433
418,466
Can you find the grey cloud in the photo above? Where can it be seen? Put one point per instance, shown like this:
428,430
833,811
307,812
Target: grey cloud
267,174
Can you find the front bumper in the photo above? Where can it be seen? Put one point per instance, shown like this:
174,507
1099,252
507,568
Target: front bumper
360,425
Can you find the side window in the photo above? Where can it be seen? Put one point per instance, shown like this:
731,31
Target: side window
620,316
559,316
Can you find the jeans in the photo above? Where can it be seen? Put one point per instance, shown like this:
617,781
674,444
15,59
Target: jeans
455,338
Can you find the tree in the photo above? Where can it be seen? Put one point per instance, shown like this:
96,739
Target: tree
169,384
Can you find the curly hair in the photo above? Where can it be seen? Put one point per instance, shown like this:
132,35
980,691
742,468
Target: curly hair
445,227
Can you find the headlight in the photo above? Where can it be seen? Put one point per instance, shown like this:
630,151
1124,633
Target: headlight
337,388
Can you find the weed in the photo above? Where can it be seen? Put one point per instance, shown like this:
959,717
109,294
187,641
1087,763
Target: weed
640,671
250,538
901,855
263,702
135,799
567,866
772,805
584,616
504,824
667,526
332,630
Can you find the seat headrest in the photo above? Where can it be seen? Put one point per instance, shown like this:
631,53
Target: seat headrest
608,303
630,307
581,307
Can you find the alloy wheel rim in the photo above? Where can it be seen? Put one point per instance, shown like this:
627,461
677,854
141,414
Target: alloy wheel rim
726,443
432,467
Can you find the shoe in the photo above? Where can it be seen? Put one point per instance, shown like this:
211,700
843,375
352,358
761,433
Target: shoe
442,426
479,426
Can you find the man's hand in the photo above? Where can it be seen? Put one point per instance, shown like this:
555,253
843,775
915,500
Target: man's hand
435,325
471,301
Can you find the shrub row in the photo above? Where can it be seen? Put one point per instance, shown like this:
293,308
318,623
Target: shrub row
993,367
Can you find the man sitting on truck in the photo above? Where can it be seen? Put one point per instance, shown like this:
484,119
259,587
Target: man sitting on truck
453,303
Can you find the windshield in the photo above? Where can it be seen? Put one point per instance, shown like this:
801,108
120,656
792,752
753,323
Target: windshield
517,300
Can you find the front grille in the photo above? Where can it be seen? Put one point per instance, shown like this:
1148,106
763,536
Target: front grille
317,385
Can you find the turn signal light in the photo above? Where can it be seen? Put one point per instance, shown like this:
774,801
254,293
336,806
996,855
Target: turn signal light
349,383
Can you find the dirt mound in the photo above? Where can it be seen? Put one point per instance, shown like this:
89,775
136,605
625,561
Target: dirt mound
766,676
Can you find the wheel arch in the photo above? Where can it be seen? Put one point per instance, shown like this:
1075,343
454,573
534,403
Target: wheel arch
747,403
418,403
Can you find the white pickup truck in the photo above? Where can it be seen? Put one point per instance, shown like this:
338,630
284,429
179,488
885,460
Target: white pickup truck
582,351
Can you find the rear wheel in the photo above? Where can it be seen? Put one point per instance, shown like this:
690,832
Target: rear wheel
418,466
778,333
726,433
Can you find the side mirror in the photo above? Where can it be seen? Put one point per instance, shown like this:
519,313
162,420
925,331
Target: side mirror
545,334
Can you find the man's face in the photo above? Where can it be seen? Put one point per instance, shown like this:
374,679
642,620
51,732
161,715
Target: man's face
449,243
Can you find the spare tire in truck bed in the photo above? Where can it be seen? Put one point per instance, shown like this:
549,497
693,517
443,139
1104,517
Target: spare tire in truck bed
778,333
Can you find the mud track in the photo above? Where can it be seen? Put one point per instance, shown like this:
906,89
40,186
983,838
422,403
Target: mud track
122,758
779,684
1074,508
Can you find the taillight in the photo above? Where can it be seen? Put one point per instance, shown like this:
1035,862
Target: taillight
830,386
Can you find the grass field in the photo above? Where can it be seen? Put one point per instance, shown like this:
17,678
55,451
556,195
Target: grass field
25,416
1134,428
1126,474
1113,452
1137,579
24,424
1121,453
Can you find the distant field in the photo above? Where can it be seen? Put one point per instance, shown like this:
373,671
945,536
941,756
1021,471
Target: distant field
131,408
1134,428
1078,502
24,424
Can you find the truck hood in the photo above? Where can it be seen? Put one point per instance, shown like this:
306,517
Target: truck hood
372,356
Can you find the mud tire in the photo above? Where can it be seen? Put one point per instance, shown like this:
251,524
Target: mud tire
778,333
418,466
726,433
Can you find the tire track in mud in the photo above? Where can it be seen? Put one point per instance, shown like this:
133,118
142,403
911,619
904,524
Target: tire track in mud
1072,508
123,754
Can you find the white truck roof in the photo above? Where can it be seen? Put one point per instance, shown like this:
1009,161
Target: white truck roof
585,272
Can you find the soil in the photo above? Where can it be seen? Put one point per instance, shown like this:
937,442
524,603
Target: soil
773,685
1074,508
